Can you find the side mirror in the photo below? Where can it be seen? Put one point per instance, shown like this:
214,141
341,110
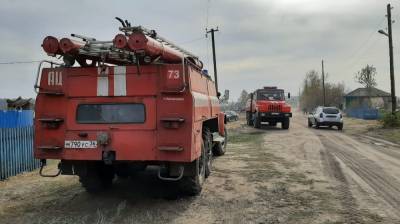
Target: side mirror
288,95
226,95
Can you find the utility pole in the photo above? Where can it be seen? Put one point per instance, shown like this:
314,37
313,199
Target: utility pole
392,87
212,31
323,83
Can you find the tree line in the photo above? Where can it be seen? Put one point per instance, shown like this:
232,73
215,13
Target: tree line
312,89
312,92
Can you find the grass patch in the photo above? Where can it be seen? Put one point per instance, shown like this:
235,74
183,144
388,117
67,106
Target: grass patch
296,206
390,120
299,178
240,137
389,134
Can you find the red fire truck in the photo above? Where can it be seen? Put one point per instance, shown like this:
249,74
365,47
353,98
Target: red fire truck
135,101
268,105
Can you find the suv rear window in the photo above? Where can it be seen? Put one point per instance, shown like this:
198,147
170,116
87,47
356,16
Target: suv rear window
110,113
330,111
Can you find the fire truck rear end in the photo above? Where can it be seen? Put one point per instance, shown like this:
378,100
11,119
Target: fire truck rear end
136,101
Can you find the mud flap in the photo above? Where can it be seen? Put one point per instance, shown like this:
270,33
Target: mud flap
221,123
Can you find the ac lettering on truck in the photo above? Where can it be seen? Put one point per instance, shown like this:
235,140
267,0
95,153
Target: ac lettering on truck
54,78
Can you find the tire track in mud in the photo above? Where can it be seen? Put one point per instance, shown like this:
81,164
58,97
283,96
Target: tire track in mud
385,186
354,144
387,149
350,207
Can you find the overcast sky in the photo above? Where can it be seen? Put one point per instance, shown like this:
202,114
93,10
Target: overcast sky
260,43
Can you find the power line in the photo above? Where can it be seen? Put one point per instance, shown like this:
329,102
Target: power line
193,40
206,41
364,52
18,62
368,39
352,61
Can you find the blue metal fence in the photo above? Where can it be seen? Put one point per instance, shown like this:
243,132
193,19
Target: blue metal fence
363,113
16,151
12,118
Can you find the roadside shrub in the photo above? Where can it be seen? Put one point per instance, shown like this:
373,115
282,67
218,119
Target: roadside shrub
390,120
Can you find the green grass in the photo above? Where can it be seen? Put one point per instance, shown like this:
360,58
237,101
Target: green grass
242,137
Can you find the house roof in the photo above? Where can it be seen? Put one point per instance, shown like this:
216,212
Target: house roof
367,92
19,102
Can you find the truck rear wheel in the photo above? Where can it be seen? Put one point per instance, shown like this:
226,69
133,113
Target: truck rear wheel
98,177
192,185
285,123
249,119
219,149
207,147
256,122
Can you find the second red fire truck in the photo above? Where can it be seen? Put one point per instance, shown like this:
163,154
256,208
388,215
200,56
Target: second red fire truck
268,105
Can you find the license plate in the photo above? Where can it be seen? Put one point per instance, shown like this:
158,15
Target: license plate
71,144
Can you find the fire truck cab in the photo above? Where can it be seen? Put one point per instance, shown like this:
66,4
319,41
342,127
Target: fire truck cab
268,105
103,120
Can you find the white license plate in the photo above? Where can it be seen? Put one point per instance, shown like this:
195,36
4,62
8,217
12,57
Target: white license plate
71,144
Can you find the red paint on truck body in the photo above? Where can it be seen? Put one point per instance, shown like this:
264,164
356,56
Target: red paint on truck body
167,91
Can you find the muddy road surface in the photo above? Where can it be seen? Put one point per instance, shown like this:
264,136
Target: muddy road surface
269,175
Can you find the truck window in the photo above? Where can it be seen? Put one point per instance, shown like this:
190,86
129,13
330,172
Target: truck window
270,95
110,113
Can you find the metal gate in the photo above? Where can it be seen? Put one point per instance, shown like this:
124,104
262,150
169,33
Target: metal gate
16,151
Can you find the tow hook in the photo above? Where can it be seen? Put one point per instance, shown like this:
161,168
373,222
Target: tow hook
108,157
43,163
181,171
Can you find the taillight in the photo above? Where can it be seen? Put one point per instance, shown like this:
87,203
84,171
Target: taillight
321,115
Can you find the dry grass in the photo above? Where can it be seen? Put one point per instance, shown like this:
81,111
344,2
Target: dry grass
372,128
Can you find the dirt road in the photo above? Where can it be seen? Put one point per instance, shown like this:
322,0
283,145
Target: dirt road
300,175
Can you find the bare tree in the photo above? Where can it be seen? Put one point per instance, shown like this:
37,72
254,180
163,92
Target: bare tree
366,76
311,96
244,96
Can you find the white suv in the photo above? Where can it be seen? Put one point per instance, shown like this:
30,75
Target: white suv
326,116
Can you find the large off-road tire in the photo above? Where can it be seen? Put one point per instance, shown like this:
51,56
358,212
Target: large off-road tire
249,118
98,177
285,123
219,149
207,145
256,121
192,185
